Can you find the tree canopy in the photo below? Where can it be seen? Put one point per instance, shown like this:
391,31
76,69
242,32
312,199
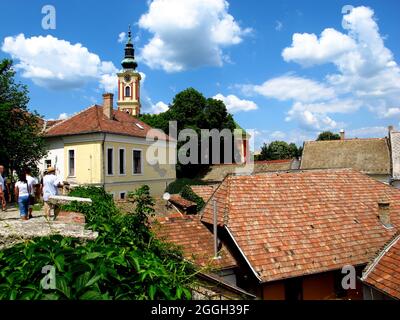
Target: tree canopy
278,150
328,135
20,130
192,110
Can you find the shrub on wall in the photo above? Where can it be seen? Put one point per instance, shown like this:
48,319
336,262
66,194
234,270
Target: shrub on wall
188,194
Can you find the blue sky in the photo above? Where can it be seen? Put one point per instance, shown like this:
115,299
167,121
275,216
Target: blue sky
287,69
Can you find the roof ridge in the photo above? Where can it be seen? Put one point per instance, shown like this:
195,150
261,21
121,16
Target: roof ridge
347,139
218,186
69,118
380,254
227,202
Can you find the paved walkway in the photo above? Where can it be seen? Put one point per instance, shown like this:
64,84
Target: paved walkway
14,230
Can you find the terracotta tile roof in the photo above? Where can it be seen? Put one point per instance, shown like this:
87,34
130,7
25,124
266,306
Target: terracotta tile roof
370,156
195,240
204,191
92,120
181,202
383,273
217,173
289,224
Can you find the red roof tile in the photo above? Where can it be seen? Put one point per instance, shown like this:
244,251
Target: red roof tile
204,191
195,240
217,172
383,272
93,120
289,224
181,202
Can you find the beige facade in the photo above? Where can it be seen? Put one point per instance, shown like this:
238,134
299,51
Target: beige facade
108,160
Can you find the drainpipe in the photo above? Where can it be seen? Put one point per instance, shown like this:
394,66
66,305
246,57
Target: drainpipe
104,160
215,229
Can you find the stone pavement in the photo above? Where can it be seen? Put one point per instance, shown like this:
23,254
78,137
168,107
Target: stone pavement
14,230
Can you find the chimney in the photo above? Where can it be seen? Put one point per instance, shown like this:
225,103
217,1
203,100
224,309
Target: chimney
390,129
384,212
108,105
342,134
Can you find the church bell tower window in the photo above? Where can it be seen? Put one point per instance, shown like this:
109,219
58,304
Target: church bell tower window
127,91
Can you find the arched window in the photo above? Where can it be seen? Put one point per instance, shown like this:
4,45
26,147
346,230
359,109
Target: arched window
127,91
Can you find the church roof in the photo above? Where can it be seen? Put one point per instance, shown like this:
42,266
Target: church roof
92,120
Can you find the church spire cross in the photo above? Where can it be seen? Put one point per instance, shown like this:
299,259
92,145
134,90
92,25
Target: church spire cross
129,34
129,61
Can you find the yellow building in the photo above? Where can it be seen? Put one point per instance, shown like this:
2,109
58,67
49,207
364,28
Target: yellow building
111,148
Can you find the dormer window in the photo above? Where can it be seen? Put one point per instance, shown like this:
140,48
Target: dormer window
127,91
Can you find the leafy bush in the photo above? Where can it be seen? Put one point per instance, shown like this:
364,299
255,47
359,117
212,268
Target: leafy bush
179,184
124,262
188,194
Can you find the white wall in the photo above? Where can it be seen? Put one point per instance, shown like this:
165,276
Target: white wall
55,154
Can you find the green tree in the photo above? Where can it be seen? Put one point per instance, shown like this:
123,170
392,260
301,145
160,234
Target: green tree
328,135
278,150
192,110
22,143
125,261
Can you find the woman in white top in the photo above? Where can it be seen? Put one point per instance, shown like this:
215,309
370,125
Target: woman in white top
22,191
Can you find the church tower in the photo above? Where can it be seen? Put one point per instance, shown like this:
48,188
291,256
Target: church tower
129,81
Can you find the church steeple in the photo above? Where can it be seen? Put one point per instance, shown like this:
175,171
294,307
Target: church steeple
129,59
129,81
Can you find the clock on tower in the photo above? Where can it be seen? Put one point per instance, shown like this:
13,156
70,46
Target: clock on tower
129,81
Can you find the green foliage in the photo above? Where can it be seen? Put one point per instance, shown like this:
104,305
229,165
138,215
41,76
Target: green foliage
22,143
124,262
192,110
188,194
177,185
328,135
278,150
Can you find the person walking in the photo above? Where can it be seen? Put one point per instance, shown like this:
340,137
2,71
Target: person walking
22,192
32,183
2,189
50,186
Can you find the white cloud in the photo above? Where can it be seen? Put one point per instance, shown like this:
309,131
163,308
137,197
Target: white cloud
366,74
392,112
109,82
367,132
153,108
57,64
308,50
188,34
291,87
122,37
366,68
159,107
234,104
310,121
330,106
63,116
